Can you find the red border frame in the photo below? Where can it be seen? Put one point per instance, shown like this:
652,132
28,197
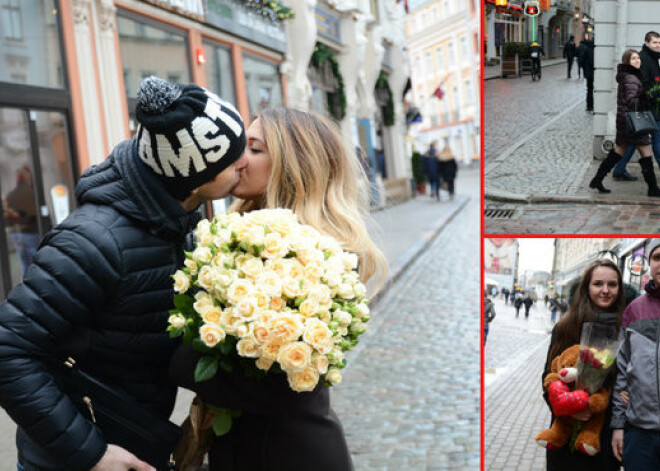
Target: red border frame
482,417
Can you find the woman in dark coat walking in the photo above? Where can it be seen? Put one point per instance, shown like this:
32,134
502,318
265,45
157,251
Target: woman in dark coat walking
448,168
600,298
630,96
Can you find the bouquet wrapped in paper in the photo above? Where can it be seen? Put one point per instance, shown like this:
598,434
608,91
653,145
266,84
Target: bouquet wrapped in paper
599,346
264,293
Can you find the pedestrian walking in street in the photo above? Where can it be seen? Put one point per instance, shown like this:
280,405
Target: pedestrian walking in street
579,54
517,303
448,168
599,298
528,301
99,289
535,52
431,167
546,298
563,306
588,70
630,97
295,160
489,315
569,53
650,70
506,296
635,421
554,307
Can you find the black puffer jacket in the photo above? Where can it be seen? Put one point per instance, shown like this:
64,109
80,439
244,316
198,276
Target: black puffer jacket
630,89
99,289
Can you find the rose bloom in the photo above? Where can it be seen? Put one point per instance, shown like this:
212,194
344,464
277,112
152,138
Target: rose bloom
281,225
270,284
307,255
202,254
328,244
321,363
212,315
295,356
177,321
360,290
207,239
345,291
303,381
256,218
314,270
191,265
336,356
202,301
243,330
308,232
211,334
239,289
343,317
248,348
255,235
205,277
333,279
308,308
279,266
247,308
318,335
319,293
264,363
286,327
252,267
181,282
363,309
350,261
275,246
291,288
260,333
203,227
296,270
333,376
270,350
277,304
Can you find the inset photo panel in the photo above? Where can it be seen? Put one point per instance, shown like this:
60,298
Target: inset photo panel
571,333
571,114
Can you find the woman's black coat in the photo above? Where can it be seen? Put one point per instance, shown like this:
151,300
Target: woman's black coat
629,91
280,429
99,289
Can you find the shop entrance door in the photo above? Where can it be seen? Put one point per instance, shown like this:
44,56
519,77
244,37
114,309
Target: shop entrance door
36,185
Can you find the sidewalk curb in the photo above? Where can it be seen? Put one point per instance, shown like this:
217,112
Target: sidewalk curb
417,249
506,197
563,61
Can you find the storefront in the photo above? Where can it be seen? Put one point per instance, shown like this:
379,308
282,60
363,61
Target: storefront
69,72
38,162
633,262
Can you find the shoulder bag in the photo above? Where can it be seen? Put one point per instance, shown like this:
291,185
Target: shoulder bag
640,122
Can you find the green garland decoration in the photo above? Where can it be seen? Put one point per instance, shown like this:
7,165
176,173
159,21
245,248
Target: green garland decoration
319,56
388,109
271,9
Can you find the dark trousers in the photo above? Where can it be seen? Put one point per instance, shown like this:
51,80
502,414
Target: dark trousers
590,94
526,311
450,184
569,61
641,449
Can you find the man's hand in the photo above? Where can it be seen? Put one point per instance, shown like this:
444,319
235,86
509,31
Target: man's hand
118,459
617,443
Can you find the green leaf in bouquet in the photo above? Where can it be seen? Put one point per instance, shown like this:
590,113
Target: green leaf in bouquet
214,250
189,333
183,302
199,346
298,301
228,265
227,365
244,246
235,413
234,235
225,249
175,333
336,306
207,367
214,229
188,254
228,345
222,423
327,255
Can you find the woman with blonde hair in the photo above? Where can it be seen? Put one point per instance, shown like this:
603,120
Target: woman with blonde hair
295,160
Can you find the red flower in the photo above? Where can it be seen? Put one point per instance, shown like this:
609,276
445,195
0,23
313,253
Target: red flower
656,78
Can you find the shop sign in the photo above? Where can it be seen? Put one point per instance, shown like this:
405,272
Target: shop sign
328,25
233,17
194,8
59,195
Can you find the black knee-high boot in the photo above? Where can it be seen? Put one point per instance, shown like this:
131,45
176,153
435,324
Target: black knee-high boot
649,176
604,168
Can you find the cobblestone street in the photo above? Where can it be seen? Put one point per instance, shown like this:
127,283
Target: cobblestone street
514,407
409,400
542,177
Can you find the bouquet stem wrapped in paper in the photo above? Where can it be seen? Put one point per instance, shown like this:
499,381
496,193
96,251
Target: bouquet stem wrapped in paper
599,346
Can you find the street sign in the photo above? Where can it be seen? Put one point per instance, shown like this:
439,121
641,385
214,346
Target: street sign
532,8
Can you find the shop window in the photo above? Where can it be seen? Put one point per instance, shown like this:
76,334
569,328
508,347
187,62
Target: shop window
150,48
262,80
464,48
439,59
30,50
219,71
452,54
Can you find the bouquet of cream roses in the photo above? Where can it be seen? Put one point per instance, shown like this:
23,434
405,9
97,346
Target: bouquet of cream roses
263,292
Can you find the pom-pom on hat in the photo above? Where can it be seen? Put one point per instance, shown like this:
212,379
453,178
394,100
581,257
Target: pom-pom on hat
187,135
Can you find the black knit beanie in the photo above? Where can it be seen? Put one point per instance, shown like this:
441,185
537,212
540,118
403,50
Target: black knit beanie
187,135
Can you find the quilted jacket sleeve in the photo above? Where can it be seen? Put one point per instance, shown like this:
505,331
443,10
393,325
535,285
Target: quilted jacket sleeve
632,90
70,277
621,384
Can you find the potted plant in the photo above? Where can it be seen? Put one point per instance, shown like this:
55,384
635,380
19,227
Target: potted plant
418,173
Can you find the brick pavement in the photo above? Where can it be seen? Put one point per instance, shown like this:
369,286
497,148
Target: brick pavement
410,396
514,407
